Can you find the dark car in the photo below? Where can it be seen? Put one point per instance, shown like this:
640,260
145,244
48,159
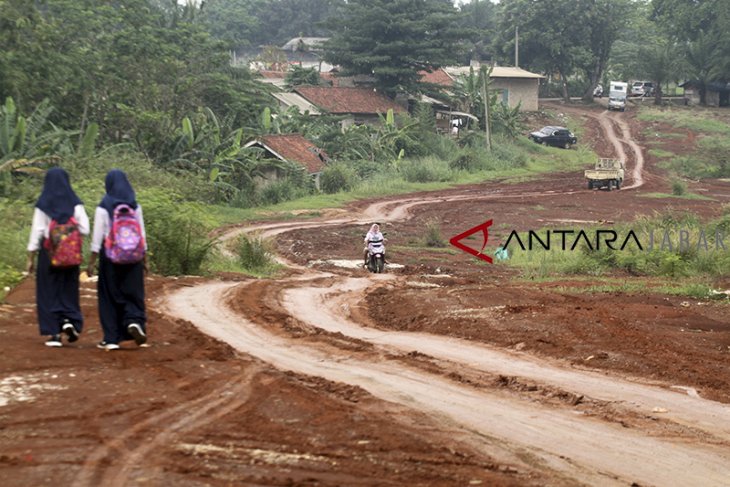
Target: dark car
556,136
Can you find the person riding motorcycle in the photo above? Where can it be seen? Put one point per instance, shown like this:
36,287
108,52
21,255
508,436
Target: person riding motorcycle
373,234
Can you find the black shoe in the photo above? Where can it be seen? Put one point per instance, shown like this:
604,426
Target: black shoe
70,330
107,346
137,333
54,341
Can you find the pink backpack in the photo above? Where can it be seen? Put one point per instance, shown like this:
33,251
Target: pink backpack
64,243
125,243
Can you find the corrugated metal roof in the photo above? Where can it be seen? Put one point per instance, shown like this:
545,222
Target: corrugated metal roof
293,99
497,72
308,42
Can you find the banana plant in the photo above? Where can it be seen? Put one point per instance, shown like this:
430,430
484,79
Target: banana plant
28,142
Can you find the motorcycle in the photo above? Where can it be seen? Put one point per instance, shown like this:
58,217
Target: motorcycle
598,91
376,256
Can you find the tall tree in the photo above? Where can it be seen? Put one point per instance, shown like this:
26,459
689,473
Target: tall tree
562,36
550,36
393,40
702,26
601,22
478,18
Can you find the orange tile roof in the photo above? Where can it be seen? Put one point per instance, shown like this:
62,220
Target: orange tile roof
337,99
438,77
295,148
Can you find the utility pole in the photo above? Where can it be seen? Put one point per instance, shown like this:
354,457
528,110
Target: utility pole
517,46
485,75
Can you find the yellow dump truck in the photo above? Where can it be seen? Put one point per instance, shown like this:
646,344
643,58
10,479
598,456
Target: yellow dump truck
608,173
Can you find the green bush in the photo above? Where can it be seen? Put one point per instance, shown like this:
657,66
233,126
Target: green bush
337,177
679,188
177,234
280,191
253,253
426,170
433,237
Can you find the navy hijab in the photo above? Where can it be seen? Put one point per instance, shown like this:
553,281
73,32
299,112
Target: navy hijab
57,200
118,191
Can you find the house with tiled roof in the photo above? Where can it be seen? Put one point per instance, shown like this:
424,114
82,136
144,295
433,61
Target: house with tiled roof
291,148
438,77
359,105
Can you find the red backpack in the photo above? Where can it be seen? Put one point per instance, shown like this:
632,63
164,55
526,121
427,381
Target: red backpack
64,243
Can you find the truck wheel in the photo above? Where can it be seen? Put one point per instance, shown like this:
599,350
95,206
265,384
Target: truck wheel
618,184
566,145
610,185
590,184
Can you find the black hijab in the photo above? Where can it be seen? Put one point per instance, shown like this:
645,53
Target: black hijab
57,199
118,192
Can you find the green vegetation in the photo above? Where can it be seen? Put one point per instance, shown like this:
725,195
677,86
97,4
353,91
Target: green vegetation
696,119
710,158
433,237
697,290
254,255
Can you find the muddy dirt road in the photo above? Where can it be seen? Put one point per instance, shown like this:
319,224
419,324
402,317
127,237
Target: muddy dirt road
575,445
443,371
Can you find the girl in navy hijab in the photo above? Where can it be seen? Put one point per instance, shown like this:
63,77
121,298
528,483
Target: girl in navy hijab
57,289
120,289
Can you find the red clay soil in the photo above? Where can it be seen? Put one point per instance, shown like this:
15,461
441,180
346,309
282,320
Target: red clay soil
155,416
189,410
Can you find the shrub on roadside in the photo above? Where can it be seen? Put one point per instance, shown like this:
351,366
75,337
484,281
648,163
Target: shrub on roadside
177,234
433,237
425,170
337,177
253,253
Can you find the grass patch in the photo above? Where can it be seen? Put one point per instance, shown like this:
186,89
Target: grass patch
694,118
684,196
662,154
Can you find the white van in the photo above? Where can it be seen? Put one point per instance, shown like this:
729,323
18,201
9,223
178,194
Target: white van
617,95
642,88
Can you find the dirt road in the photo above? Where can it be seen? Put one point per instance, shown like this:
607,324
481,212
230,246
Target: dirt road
563,440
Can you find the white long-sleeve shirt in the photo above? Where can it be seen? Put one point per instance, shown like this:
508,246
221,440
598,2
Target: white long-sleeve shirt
41,222
102,227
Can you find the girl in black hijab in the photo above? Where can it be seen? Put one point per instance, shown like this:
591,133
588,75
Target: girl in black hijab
57,289
120,289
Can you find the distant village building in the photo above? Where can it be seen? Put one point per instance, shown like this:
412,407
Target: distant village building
717,93
514,85
305,52
357,105
290,148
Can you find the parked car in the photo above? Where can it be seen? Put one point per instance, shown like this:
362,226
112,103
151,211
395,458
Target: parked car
555,136
642,88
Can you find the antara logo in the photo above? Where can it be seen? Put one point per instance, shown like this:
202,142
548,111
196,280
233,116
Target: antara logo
569,240
484,228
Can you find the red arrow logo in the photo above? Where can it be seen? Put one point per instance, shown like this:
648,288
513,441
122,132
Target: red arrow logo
484,228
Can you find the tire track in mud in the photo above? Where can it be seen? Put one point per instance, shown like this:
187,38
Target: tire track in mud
328,308
584,448
113,463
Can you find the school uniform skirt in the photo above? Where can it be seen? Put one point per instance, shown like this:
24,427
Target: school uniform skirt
57,296
121,298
